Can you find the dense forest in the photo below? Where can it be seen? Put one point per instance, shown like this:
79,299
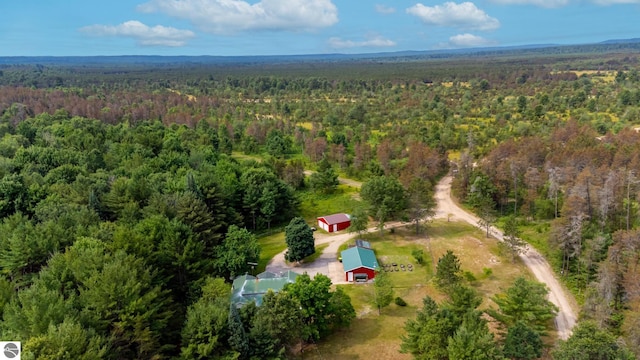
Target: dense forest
131,194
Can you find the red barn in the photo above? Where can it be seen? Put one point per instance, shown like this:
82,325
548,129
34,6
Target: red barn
335,222
359,264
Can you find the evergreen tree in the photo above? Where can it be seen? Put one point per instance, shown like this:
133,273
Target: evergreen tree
325,180
277,324
427,335
386,198
525,301
299,239
589,341
448,272
238,337
512,241
67,341
473,340
462,299
522,343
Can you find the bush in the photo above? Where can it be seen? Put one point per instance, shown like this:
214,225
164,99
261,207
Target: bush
400,302
469,276
418,255
487,272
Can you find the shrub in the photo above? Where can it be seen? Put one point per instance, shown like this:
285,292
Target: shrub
469,276
418,255
400,302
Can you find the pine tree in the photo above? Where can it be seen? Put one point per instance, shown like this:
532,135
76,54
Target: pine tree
448,272
522,343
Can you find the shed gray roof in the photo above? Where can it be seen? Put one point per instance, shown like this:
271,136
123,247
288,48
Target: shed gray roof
357,257
363,243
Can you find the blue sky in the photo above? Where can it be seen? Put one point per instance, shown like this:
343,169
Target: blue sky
285,27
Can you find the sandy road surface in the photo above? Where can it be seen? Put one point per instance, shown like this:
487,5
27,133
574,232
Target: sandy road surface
327,263
566,317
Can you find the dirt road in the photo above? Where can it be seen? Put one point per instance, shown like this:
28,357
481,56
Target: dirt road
566,317
327,263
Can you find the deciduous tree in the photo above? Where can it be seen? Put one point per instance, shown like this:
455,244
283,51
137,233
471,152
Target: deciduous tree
237,251
383,290
386,198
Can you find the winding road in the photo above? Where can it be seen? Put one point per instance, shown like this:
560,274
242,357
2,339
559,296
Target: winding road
566,317
446,208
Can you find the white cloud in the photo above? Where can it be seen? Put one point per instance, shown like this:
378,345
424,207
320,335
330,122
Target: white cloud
231,16
540,3
143,34
468,40
464,15
375,41
383,9
615,2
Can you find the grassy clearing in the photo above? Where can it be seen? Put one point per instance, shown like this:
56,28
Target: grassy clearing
373,336
314,205
240,156
537,234
274,244
270,246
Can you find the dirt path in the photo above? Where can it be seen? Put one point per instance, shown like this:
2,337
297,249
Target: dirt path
566,318
327,263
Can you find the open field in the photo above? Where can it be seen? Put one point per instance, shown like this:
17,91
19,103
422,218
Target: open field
373,336
314,205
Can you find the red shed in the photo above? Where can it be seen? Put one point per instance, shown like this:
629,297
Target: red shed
359,264
335,222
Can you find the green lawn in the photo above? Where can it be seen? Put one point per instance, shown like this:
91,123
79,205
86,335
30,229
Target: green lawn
373,336
270,246
319,250
312,205
274,244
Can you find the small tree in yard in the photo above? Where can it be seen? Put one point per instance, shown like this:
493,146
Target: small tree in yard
418,255
448,272
383,290
359,221
299,239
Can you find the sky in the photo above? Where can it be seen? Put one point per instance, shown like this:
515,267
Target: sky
294,27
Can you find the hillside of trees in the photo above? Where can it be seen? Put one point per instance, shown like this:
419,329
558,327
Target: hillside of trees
125,211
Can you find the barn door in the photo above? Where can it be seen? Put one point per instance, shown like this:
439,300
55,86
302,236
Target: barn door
350,276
